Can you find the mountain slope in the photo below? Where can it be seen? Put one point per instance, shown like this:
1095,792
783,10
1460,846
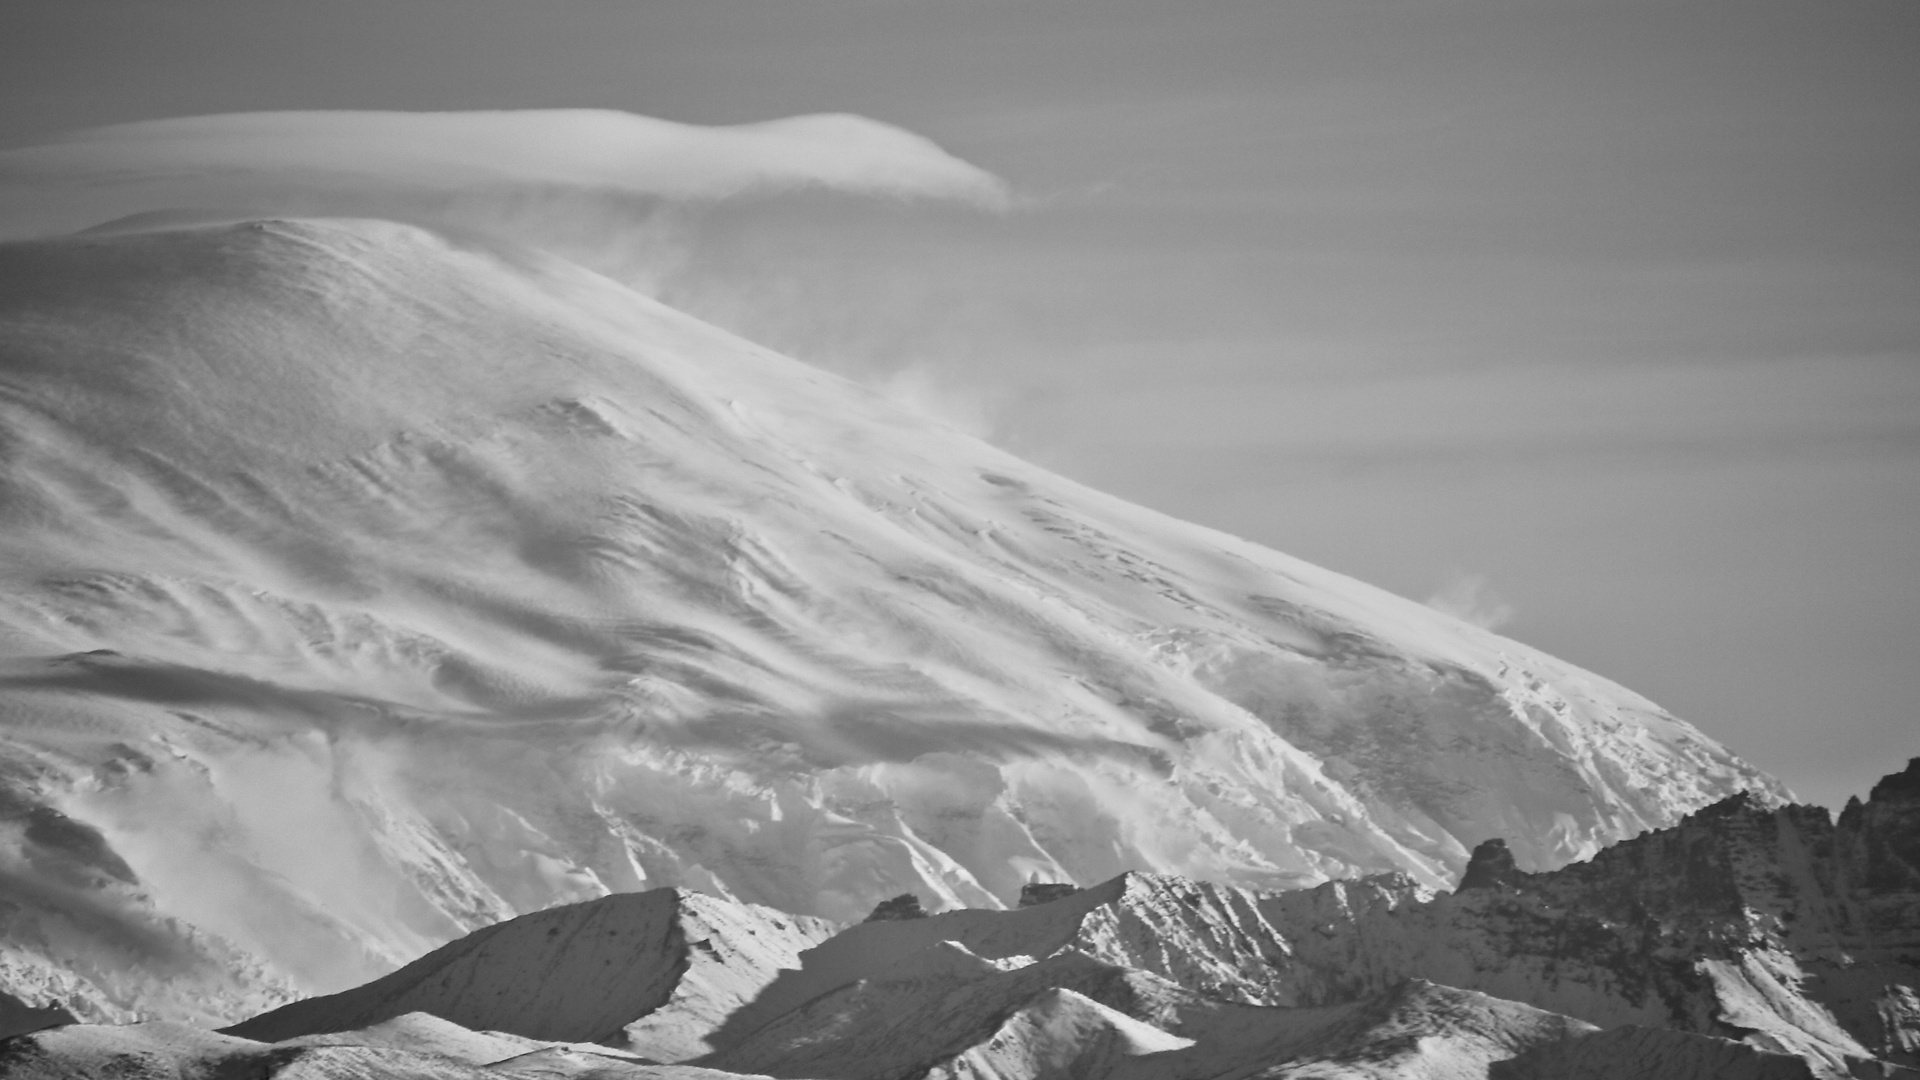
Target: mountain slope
648,972
358,590
1630,1053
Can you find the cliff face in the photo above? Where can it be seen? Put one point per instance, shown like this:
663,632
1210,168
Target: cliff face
1776,926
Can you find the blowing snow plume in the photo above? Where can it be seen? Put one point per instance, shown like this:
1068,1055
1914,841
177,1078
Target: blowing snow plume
523,588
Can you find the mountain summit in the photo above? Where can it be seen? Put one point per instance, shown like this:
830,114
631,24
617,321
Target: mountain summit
363,589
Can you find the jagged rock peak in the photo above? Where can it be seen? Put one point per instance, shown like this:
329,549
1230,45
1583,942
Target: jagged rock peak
1732,806
1490,867
1035,893
904,906
1901,786
17,1016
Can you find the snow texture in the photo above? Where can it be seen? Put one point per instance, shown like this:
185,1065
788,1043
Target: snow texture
359,590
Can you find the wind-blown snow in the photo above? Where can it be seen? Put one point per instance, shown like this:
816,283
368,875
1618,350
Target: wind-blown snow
442,585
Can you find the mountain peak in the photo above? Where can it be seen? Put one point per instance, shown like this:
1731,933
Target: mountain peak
1490,867
1901,786
645,970
523,588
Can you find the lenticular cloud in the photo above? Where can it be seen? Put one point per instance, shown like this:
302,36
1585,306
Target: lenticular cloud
371,162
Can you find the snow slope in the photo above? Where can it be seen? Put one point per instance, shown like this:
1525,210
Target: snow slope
358,590
649,972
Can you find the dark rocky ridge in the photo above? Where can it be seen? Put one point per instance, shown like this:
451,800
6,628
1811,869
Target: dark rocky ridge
1778,926
904,906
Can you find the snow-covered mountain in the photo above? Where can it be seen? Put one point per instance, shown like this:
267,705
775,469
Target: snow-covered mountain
1741,944
362,589
653,972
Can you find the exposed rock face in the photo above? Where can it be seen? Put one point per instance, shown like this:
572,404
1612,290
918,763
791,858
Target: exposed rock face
17,1016
904,906
1491,866
1207,938
1776,926
1034,893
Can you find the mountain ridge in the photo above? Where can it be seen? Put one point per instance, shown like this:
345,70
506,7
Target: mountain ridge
1210,982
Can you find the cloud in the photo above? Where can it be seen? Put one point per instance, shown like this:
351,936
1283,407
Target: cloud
816,235
1468,597
506,169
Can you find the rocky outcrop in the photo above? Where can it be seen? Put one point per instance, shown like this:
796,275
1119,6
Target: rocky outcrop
1774,925
904,906
18,1017
1491,866
1035,893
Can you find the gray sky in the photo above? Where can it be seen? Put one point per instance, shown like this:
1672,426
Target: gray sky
1603,315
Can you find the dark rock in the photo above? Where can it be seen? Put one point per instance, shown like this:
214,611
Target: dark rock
1900,786
904,906
17,1017
1490,867
1035,893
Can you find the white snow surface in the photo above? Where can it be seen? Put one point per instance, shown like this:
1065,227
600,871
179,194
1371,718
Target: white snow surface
651,973
442,585
415,1046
